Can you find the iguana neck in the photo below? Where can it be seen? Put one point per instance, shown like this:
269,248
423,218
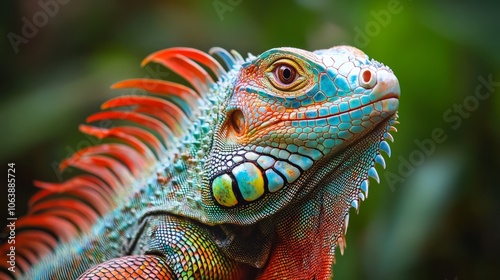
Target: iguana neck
319,220
177,188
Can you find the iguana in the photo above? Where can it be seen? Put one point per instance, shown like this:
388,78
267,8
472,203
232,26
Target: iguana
249,174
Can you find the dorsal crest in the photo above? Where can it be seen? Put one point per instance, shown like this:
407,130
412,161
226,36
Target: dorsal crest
149,127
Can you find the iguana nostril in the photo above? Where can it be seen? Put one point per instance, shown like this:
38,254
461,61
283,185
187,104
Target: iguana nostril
368,78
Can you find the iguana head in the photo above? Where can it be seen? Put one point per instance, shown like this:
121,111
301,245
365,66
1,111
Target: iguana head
287,113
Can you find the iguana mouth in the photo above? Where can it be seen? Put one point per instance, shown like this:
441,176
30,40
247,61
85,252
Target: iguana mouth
391,100
390,104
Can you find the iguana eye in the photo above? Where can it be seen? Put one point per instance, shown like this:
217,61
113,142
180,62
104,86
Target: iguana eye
286,74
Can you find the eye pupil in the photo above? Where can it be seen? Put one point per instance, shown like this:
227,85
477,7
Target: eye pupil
286,74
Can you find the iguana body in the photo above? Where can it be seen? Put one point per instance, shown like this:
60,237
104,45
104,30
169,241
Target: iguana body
248,176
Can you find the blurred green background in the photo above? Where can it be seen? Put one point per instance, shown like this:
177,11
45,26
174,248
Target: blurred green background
436,212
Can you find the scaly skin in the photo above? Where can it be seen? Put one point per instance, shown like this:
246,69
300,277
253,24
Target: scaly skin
250,176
